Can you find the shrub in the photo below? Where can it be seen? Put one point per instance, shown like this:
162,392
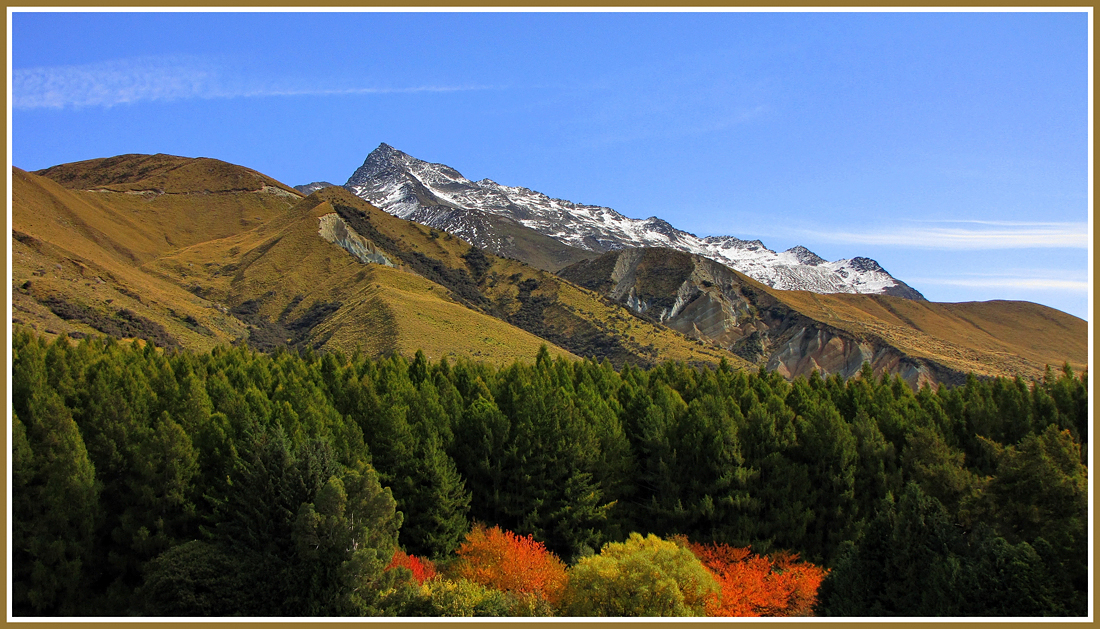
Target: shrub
510,563
463,597
754,585
422,569
639,577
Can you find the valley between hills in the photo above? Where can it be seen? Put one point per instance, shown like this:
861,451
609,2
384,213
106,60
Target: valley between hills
195,253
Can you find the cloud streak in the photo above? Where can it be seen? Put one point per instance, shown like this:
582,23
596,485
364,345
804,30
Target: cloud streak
126,81
1075,280
984,235
1029,283
111,83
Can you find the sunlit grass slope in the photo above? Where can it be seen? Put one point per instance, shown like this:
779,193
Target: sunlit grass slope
197,252
1001,338
87,248
285,269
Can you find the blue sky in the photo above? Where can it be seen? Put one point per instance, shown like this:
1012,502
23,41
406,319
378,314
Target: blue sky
951,147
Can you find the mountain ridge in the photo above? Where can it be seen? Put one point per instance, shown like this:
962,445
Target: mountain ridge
214,263
427,192
163,174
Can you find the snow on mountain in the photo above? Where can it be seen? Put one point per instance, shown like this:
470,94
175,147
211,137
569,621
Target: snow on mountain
439,196
310,188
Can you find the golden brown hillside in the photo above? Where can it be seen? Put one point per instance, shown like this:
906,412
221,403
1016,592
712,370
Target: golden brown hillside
83,257
162,174
137,227
80,253
293,287
291,284
183,253
997,338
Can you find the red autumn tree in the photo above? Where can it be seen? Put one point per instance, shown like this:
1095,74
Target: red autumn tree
754,585
422,569
510,563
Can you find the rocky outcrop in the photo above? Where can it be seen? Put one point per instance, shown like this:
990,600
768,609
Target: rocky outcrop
708,301
335,230
813,347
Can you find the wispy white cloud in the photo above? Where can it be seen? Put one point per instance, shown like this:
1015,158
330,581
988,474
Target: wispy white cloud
981,235
125,81
1028,279
1005,282
112,83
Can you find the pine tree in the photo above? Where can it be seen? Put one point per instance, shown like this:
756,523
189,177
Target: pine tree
877,474
435,501
54,510
782,489
827,449
344,538
554,457
1041,493
657,501
715,481
484,456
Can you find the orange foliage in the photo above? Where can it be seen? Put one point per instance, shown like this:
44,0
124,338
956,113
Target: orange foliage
511,563
754,585
422,569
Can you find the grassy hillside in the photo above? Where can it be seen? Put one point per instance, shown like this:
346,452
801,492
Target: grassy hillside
993,338
291,287
194,253
162,174
78,255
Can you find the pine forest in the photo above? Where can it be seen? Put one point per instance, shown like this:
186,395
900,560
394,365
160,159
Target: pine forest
167,483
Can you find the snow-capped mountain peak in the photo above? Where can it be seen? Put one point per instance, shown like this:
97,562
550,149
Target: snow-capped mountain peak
439,196
805,256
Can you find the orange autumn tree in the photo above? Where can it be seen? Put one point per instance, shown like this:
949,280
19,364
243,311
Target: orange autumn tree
754,585
422,569
511,563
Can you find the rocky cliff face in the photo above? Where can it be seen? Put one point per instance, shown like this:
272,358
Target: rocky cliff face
334,229
439,196
707,301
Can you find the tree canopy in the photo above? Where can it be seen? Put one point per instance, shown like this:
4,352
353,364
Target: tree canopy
177,483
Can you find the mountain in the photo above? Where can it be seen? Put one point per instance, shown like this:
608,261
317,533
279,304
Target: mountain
386,180
195,253
797,332
439,196
310,188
